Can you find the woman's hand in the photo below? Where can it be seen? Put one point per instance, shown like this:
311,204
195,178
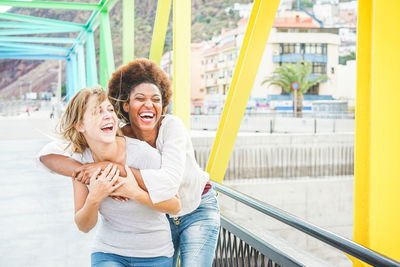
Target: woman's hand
101,186
85,172
130,188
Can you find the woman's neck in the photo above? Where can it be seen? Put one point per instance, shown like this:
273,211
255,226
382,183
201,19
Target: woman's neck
114,152
149,137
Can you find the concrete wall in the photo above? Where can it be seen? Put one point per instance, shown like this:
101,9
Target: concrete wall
284,155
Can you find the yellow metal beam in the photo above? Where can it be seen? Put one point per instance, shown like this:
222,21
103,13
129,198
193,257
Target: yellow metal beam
363,126
128,30
160,30
254,42
182,25
384,202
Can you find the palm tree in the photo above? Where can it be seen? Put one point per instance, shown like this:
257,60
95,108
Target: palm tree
289,73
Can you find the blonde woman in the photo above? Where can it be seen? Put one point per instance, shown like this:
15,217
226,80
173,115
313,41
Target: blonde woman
129,232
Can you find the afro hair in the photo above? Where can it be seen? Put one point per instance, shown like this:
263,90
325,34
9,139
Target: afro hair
124,80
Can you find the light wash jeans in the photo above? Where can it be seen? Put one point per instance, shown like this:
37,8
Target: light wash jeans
195,235
100,259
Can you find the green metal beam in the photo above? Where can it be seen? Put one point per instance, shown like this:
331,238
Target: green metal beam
128,30
52,40
91,68
93,21
107,65
160,30
43,21
51,5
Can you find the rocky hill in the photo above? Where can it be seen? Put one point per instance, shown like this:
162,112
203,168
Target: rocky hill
208,18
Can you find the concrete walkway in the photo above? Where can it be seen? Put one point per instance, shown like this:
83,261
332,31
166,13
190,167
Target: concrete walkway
36,222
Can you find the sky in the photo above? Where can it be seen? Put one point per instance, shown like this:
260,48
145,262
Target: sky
4,8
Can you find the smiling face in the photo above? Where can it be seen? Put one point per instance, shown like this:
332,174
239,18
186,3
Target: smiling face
144,107
99,123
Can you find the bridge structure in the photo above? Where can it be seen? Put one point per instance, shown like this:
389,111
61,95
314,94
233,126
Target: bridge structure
377,170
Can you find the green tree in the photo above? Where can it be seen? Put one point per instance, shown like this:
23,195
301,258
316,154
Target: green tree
289,73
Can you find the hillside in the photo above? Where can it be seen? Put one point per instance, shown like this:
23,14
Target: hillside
208,18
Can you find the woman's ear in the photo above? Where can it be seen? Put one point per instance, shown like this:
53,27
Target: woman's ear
125,106
79,127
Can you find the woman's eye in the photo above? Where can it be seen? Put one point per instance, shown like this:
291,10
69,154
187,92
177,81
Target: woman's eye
139,98
156,100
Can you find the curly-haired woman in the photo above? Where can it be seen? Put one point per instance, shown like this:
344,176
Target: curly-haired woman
142,92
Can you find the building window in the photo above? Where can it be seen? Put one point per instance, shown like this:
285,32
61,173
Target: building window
314,90
211,90
318,68
302,48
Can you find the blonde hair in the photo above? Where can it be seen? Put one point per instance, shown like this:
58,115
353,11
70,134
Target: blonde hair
73,116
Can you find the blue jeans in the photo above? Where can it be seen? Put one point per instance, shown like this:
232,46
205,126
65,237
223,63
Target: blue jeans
195,235
100,259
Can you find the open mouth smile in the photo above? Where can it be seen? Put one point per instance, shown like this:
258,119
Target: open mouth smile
147,116
108,128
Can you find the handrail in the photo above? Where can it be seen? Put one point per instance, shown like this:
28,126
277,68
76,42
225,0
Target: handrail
356,250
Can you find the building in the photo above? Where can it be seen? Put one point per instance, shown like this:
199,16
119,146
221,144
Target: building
295,36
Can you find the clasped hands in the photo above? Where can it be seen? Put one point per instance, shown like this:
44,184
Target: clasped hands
104,179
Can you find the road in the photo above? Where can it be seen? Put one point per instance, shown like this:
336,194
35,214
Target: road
36,207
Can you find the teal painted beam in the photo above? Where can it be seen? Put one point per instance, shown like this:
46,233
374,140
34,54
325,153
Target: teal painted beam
52,40
75,76
43,21
34,57
81,66
51,5
128,30
37,31
91,68
16,53
23,25
68,79
34,46
106,51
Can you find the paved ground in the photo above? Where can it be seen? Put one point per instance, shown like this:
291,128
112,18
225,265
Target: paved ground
36,222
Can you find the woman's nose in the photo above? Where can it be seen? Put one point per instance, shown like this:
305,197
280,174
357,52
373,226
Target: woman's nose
106,114
148,103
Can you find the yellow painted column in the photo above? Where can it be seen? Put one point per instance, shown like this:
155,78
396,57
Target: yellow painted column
160,30
181,79
128,30
363,126
384,215
255,39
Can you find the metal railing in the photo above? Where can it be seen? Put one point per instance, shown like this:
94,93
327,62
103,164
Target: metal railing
238,247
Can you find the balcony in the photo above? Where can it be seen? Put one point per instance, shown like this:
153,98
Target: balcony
222,80
211,82
293,58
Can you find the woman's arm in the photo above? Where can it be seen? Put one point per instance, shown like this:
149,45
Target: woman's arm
87,202
60,164
85,208
164,183
132,190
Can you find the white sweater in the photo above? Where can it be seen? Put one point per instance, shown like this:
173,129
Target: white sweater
180,172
